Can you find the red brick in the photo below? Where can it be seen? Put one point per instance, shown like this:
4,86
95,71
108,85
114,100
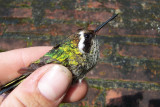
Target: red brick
78,15
90,97
109,71
105,50
21,28
41,43
67,29
112,5
105,70
94,4
9,44
107,30
112,94
63,29
148,32
19,13
114,31
59,14
136,20
140,51
55,29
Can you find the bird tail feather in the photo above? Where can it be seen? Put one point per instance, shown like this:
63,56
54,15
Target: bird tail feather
12,84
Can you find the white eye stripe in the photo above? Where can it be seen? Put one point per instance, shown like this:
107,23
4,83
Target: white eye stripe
81,42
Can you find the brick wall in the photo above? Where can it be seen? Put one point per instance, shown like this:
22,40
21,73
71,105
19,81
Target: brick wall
129,67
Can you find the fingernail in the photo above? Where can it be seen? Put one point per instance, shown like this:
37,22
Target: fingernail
55,82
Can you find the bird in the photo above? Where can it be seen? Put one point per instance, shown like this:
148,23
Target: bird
79,53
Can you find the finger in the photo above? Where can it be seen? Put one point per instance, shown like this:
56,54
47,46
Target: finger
45,87
12,61
76,92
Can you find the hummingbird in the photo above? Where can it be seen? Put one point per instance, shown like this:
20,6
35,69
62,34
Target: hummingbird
79,53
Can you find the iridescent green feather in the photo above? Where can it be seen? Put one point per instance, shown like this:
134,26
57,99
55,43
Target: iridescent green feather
67,55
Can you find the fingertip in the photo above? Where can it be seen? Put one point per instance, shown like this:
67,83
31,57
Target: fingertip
76,92
44,87
54,84
12,61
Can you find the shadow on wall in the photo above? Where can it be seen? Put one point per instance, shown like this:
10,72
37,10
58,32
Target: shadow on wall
154,103
126,101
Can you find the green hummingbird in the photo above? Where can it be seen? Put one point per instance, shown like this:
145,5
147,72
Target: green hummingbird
79,53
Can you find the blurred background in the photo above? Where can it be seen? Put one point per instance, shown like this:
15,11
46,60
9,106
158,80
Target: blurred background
128,73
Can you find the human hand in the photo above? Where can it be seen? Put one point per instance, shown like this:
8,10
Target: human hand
47,86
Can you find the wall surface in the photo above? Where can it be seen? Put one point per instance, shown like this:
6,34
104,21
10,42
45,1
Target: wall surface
128,73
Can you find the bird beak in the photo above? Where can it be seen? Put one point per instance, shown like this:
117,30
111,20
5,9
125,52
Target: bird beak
99,27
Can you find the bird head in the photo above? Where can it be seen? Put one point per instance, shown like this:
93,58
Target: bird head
87,37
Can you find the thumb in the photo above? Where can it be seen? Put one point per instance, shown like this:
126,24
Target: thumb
44,87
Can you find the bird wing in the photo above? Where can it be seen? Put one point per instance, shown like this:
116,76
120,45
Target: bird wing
12,84
55,55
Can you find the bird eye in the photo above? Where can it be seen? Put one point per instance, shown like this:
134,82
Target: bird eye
86,35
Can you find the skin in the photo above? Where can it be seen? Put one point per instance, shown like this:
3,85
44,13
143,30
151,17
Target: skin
31,92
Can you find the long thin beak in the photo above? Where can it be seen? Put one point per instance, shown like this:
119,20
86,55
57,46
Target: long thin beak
99,27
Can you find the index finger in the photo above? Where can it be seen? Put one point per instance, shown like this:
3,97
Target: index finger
12,61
